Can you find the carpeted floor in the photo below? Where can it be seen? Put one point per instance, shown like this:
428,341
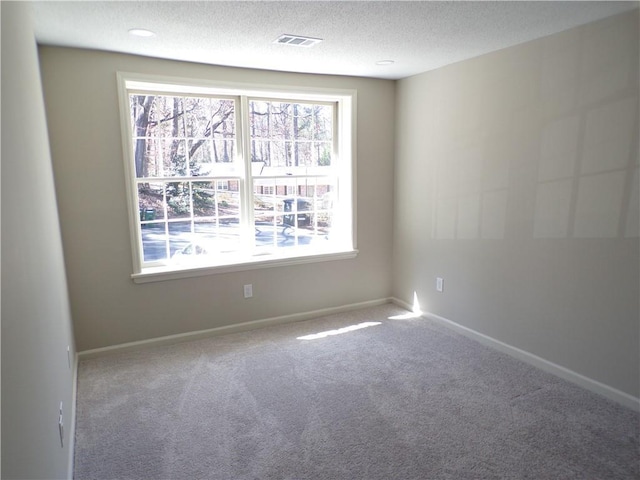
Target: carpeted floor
390,399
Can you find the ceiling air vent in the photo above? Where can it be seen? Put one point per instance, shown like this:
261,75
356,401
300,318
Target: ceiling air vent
297,40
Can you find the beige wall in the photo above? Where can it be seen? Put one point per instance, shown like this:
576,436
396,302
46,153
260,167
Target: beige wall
516,180
36,323
108,308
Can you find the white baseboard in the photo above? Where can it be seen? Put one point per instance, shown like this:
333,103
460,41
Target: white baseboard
240,327
587,383
72,423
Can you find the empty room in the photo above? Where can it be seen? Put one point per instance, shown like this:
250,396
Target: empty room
320,240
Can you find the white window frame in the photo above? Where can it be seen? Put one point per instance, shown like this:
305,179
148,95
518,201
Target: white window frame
345,154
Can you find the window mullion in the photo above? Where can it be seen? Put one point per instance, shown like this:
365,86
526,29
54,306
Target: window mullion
243,141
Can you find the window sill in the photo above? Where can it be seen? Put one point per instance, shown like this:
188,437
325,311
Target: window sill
174,272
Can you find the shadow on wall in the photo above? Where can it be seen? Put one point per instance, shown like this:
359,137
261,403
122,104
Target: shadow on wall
573,169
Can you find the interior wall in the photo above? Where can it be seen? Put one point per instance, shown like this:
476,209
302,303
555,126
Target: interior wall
517,183
36,321
108,308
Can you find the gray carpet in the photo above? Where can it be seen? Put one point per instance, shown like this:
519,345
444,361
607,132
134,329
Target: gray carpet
403,399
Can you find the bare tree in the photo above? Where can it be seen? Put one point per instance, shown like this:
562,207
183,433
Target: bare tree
141,110
147,115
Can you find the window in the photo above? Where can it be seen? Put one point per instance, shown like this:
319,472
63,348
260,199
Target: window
223,178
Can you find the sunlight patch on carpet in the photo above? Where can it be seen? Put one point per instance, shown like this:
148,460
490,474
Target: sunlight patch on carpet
339,331
405,316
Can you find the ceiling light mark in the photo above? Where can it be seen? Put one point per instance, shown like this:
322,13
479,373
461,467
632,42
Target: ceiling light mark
141,32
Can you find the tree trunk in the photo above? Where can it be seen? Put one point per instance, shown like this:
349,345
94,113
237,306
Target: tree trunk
174,133
142,123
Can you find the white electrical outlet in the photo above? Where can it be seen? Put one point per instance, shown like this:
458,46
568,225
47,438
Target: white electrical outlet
248,291
439,284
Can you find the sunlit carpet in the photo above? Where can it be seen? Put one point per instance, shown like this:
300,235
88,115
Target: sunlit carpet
359,395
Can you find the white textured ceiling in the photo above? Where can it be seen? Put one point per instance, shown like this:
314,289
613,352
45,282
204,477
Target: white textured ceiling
419,35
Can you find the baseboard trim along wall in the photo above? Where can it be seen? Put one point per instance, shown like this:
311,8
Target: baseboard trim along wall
240,327
72,426
587,383
600,388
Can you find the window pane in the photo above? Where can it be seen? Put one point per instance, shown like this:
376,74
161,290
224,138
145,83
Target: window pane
203,196
280,154
217,238
305,189
208,241
264,220
302,154
174,155
322,154
264,191
148,157
208,227
136,107
324,223
291,235
210,117
212,158
266,231
280,120
260,151
303,121
148,115
271,153
150,201
259,119
154,242
178,200
325,193
323,122
227,238
223,118
198,115
167,117
200,156
223,151
228,201
179,236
